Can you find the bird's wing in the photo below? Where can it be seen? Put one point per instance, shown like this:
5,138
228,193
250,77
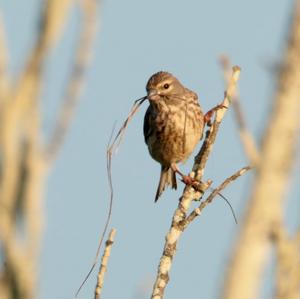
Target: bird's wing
193,95
147,124
195,98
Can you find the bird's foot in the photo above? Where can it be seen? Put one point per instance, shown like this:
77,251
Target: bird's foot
188,180
184,178
208,115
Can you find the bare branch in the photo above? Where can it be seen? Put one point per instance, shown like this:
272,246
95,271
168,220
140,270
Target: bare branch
103,266
196,212
202,156
190,194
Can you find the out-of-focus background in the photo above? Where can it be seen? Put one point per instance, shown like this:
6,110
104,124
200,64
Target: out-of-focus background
135,39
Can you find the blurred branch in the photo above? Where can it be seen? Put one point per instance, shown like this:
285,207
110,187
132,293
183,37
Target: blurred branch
52,20
104,260
74,88
246,137
190,194
22,172
288,263
269,189
22,162
52,24
4,59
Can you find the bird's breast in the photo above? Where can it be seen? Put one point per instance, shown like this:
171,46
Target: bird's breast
176,132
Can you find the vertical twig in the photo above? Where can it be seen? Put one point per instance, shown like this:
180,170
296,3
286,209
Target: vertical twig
104,261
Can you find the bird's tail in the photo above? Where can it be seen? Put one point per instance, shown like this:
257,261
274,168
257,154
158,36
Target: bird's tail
167,177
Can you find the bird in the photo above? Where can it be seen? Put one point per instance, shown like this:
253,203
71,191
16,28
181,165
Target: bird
173,126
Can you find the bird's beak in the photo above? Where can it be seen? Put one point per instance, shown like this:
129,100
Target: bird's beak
152,95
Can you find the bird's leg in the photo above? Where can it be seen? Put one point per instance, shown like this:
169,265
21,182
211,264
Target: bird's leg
185,178
208,115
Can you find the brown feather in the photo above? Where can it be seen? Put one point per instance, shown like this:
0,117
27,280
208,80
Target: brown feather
167,178
173,124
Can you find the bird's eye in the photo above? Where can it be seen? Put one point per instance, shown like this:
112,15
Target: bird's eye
166,86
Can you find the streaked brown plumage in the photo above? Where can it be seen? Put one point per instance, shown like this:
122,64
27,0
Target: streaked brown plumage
173,125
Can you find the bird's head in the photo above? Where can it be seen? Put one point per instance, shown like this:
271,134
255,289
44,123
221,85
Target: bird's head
163,85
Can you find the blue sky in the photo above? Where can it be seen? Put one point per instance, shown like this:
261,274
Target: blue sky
136,39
